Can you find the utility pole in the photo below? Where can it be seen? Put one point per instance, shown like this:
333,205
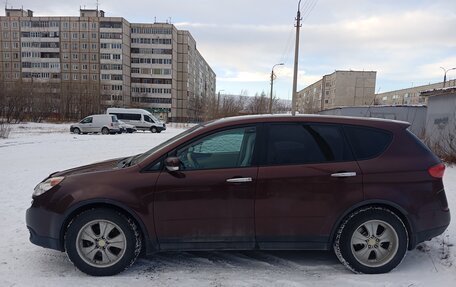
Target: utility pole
218,102
295,73
272,86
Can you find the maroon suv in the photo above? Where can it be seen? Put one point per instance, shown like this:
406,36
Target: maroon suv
367,188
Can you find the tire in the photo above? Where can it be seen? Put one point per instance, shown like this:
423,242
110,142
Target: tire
106,258
105,131
77,131
153,130
372,240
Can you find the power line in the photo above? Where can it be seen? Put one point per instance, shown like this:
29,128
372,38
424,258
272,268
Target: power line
309,10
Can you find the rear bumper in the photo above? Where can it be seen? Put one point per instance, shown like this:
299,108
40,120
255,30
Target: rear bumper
44,227
441,221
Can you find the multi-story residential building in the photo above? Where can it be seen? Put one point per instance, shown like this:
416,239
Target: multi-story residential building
341,88
409,96
81,65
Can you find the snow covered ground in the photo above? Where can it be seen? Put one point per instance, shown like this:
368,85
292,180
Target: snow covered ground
35,150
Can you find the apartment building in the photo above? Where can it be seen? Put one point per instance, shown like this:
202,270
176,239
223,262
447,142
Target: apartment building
410,96
341,88
81,65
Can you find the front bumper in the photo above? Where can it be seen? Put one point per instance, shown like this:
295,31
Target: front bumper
44,227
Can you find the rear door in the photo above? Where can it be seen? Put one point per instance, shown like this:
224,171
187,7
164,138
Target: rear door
307,178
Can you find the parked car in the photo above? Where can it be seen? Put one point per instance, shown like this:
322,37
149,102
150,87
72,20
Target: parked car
366,188
141,119
126,128
105,124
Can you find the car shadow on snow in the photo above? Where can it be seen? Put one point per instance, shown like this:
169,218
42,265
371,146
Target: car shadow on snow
239,261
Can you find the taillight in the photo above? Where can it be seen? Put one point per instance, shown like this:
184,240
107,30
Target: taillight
437,171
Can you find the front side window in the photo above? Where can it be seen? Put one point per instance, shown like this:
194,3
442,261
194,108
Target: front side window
87,120
226,149
289,144
148,119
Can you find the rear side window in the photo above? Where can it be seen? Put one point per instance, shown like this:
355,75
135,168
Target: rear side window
306,143
131,117
367,142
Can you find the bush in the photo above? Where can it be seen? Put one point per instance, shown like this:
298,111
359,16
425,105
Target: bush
445,147
4,130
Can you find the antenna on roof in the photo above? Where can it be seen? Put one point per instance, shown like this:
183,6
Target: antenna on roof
6,4
97,4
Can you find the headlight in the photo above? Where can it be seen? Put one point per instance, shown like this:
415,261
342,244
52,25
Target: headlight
44,186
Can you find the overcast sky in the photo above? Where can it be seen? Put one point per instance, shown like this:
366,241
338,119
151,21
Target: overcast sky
405,41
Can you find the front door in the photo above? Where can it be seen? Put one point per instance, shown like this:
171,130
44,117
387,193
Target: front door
87,125
307,178
209,202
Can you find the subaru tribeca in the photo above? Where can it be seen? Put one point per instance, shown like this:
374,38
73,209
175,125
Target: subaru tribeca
366,188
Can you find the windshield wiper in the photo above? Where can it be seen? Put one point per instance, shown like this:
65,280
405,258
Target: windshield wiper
126,162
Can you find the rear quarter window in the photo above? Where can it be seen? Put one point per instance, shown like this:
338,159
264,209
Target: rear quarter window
367,142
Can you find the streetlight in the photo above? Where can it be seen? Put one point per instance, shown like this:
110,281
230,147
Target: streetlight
295,72
272,85
444,75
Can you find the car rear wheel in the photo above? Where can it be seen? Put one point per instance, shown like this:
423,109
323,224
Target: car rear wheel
371,240
77,131
102,242
105,131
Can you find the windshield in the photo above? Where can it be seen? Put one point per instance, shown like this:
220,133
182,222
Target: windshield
141,157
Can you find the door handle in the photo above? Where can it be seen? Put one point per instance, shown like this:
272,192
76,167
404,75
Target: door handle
344,174
239,179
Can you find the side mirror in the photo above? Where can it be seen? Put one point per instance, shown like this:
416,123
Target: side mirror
172,163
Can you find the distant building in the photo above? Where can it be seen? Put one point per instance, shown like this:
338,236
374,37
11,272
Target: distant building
409,96
88,63
341,88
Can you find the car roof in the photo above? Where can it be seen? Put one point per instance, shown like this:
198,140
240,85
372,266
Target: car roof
371,122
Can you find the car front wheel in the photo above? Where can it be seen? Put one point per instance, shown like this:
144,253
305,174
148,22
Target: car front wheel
102,242
371,240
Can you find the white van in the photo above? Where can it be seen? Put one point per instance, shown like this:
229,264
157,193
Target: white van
105,124
141,119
